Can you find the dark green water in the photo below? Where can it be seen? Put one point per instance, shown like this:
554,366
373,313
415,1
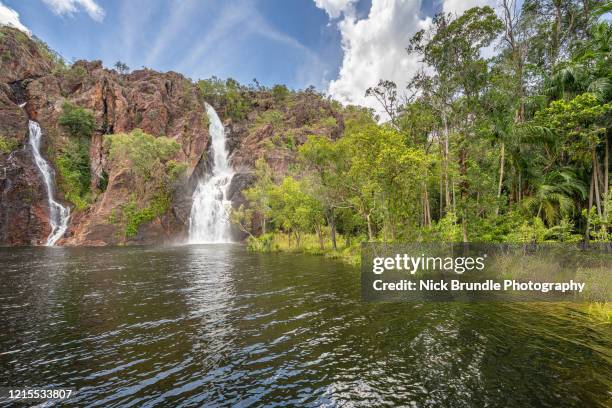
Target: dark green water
218,326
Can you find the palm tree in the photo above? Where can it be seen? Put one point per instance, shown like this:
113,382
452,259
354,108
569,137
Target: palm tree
589,68
553,199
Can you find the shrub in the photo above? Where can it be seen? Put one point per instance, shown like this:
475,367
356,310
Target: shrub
146,153
132,217
329,121
79,122
72,160
229,95
8,144
75,174
270,117
280,93
76,74
150,160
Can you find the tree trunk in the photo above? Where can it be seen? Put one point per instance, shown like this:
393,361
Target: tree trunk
370,238
588,226
263,225
501,175
446,182
320,236
332,224
441,194
463,190
426,208
606,168
298,239
557,34
596,184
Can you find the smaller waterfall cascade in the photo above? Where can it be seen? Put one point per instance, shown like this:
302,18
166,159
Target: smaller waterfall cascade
58,214
209,219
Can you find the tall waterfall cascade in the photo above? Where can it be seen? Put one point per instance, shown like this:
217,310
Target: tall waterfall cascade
58,214
209,219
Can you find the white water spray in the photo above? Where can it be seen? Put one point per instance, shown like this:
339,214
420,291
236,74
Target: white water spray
209,219
58,214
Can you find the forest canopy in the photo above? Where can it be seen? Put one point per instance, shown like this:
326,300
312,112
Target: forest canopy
512,148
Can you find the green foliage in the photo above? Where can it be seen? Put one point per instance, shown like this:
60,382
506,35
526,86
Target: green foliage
75,175
7,144
121,67
515,148
77,121
72,159
228,96
146,154
328,121
131,216
263,243
280,93
270,117
150,162
75,75
577,124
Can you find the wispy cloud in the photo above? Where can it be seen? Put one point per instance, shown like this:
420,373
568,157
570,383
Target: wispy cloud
70,7
134,16
232,15
10,17
238,22
180,16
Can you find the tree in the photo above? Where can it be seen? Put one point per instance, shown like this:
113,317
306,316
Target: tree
122,67
452,48
79,122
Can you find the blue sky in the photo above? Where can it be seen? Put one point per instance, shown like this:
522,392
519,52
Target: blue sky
342,47
275,41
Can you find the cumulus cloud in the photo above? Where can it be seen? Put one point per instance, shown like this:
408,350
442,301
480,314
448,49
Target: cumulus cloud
70,7
334,8
459,6
375,48
10,17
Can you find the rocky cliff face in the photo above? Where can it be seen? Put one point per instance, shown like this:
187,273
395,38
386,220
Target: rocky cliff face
161,104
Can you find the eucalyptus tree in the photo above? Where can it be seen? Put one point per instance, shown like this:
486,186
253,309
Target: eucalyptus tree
451,47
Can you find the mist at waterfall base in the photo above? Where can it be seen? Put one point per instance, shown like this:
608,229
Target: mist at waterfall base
58,214
209,219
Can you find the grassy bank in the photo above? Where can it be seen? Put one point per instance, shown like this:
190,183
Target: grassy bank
349,252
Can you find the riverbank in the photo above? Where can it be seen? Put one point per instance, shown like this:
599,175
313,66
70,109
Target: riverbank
346,251
350,253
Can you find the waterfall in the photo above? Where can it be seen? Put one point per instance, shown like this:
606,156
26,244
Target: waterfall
58,214
209,219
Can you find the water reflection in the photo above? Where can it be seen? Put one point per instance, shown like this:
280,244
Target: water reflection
215,325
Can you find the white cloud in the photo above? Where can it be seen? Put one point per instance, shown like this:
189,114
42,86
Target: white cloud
334,8
10,17
375,48
459,6
70,7
174,26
